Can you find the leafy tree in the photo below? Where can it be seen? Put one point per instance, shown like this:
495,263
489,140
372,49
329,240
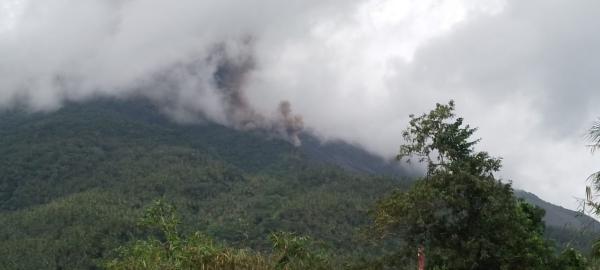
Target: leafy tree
571,259
298,252
73,181
591,204
591,191
444,143
169,250
460,213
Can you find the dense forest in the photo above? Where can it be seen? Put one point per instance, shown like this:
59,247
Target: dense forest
115,184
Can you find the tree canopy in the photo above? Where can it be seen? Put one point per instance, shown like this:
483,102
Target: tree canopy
461,215
73,182
591,204
167,249
440,139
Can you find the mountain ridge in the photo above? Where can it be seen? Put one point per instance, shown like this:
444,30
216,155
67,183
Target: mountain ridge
76,179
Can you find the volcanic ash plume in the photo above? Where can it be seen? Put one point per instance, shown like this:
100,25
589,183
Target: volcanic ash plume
230,77
288,125
212,89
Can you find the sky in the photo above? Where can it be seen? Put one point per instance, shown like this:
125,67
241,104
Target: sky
524,72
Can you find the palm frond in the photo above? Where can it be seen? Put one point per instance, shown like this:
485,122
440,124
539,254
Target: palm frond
594,136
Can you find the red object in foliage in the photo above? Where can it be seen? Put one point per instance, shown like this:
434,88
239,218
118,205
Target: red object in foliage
421,258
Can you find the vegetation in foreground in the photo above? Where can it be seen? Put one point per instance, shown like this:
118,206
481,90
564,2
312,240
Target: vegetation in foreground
167,249
73,184
460,215
73,204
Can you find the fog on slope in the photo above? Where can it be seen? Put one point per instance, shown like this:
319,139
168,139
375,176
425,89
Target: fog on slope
521,71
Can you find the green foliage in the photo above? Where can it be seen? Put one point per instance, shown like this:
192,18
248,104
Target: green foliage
571,259
198,251
580,239
460,214
591,203
71,183
173,252
592,191
440,139
298,252
162,216
465,222
70,233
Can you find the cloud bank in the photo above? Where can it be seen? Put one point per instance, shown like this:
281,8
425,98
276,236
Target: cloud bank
523,71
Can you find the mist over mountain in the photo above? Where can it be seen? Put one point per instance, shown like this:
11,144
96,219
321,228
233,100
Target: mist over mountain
349,70
267,121
75,179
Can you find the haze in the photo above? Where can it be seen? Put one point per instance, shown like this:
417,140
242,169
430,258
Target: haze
524,72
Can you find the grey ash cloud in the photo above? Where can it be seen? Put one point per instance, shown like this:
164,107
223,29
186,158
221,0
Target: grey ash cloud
525,72
192,58
212,88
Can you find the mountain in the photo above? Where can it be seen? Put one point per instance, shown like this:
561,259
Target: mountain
74,182
559,217
350,157
564,226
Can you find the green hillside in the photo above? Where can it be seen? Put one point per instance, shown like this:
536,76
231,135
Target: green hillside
73,183
564,226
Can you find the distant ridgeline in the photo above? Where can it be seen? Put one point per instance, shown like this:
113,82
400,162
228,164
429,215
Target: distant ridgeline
73,184
566,227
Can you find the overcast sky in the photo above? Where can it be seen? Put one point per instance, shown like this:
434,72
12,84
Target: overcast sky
524,72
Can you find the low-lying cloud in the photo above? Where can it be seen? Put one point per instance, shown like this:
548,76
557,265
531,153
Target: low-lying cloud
523,71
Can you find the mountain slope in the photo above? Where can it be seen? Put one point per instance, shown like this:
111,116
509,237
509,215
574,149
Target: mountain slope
560,217
350,157
73,183
566,227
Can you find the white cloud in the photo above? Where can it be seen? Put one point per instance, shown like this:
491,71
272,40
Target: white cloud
523,71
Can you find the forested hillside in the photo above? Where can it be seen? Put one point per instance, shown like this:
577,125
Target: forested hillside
564,226
73,184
